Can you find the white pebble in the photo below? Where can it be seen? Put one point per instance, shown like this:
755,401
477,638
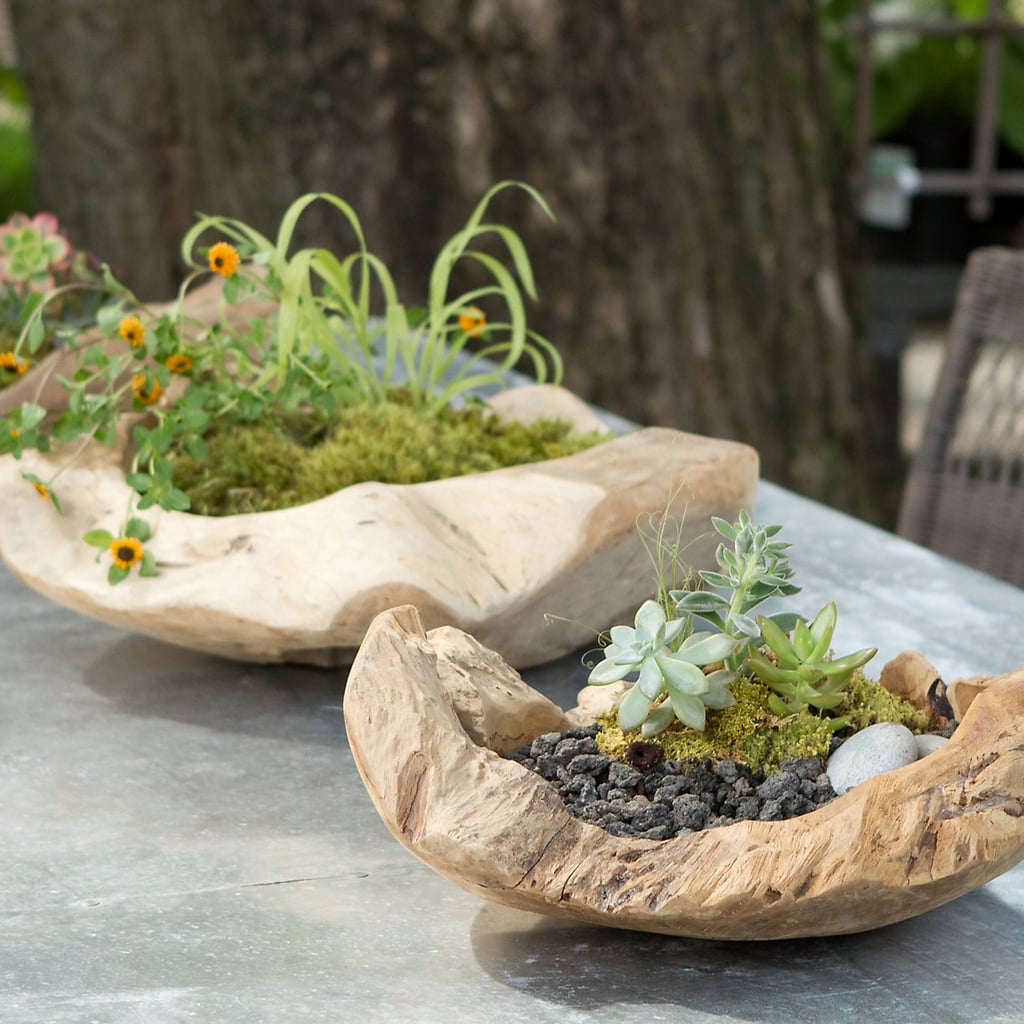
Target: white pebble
928,743
872,751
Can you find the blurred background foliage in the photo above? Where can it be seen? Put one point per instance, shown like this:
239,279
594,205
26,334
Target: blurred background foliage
16,164
924,82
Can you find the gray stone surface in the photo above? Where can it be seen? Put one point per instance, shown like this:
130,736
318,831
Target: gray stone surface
929,743
186,839
872,751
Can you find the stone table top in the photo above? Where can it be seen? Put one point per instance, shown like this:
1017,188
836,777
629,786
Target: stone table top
184,838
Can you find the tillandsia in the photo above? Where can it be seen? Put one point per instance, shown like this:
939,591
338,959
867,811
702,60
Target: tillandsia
324,347
682,672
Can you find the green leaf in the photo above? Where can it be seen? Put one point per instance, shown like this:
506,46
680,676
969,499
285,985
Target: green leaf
699,601
98,538
138,528
606,672
148,564
682,676
658,720
139,482
706,650
177,501
633,709
689,710
116,573
36,335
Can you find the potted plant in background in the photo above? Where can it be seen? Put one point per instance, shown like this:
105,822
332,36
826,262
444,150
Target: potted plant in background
694,799
265,422
38,264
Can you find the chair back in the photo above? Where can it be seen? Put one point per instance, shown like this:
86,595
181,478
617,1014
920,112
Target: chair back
964,495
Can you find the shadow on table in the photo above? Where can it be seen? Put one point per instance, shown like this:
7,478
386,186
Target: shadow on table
958,963
145,677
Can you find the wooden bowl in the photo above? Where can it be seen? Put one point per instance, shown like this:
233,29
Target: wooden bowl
490,552
430,714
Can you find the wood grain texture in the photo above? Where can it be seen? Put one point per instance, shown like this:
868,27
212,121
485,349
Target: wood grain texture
491,552
893,847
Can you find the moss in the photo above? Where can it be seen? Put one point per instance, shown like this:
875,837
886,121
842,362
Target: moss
867,703
748,732
266,465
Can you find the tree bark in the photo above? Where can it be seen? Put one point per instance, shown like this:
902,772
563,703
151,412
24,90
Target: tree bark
700,273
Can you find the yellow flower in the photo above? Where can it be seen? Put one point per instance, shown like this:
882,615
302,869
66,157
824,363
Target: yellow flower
44,491
141,394
224,259
132,330
472,321
126,551
11,363
178,363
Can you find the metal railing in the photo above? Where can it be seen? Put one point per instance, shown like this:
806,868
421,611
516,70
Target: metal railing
983,179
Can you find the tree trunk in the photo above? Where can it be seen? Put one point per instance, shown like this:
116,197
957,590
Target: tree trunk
699,274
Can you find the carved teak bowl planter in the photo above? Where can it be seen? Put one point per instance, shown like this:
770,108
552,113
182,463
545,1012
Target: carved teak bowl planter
491,552
430,714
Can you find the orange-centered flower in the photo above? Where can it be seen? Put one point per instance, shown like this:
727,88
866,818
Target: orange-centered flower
11,363
224,259
126,551
178,363
472,321
146,397
132,330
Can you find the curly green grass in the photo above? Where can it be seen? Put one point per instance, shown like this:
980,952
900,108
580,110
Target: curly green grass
269,465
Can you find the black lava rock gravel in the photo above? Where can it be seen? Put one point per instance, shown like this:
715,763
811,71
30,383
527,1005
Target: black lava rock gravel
666,799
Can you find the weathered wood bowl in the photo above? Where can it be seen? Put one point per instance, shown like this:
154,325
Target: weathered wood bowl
491,552
429,716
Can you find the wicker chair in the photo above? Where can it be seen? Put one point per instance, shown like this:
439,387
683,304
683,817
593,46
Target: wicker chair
964,496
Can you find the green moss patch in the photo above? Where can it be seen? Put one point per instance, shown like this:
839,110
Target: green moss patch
749,733
255,467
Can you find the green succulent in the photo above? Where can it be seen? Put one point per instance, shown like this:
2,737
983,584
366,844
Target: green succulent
670,683
802,673
754,568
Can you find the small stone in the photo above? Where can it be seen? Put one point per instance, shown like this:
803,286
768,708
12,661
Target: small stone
879,748
623,776
666,793
548,765
929,743
727,771
569,748
747,808
778,786
658,832
805,768
544,744
651,816
619,828
690,812
588,764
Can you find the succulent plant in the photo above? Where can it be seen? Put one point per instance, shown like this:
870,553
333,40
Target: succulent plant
801,671
754,568
32,251
671,683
